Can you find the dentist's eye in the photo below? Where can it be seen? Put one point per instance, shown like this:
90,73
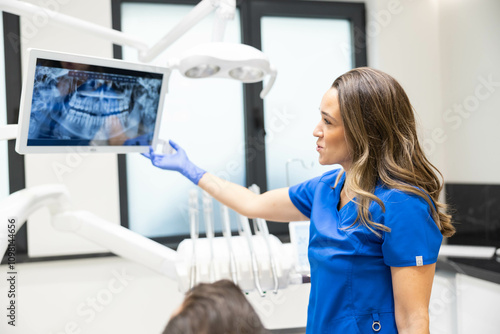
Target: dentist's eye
326,121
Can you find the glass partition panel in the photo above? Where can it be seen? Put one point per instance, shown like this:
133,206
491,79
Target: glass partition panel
309,54
204,116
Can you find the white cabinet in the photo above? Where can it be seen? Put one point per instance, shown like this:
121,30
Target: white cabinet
462,304
478,305
443,304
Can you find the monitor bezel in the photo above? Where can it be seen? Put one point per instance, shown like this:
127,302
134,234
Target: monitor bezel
22,146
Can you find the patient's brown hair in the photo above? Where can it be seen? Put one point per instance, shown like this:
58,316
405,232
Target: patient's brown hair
215,308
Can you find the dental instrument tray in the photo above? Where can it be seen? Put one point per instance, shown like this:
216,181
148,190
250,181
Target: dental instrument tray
79,103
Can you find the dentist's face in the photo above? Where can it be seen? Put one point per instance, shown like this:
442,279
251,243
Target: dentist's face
331,144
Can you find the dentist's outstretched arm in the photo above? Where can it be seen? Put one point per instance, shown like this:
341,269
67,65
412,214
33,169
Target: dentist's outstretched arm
272,205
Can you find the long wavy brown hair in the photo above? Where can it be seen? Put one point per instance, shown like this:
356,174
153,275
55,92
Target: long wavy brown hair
381,132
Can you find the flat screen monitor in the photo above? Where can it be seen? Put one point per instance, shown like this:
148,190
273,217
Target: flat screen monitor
74,102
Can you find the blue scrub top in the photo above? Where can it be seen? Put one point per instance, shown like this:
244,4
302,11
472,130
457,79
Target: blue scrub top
351,284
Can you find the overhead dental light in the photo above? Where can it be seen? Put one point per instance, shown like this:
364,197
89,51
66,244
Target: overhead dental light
226,60
216,59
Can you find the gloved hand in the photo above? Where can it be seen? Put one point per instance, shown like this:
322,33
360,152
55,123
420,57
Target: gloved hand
177,161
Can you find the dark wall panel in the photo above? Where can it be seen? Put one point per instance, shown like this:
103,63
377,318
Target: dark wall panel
476,213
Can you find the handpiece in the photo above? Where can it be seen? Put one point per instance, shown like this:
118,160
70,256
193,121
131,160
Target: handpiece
255,267
226,232
209,229
194,226
264,231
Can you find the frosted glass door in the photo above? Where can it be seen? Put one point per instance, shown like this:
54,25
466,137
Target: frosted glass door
309,54
204,116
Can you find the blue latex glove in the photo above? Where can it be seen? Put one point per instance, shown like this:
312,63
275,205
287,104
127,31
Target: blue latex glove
177,161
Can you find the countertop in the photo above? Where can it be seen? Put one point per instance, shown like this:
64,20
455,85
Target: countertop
488,270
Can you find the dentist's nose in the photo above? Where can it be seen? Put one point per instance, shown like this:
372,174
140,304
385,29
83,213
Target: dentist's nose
318,132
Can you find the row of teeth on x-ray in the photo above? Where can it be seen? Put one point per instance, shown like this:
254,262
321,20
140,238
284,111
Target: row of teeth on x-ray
86,120
101,107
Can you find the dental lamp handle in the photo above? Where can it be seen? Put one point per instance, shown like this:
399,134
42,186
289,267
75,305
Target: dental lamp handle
273,73
177,161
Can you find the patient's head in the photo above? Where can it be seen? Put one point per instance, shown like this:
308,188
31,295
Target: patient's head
216,308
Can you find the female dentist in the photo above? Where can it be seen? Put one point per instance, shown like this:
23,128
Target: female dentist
376,223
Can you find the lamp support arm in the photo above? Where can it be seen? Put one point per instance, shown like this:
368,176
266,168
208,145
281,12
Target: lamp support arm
198,13
226,9
224,13
28,10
